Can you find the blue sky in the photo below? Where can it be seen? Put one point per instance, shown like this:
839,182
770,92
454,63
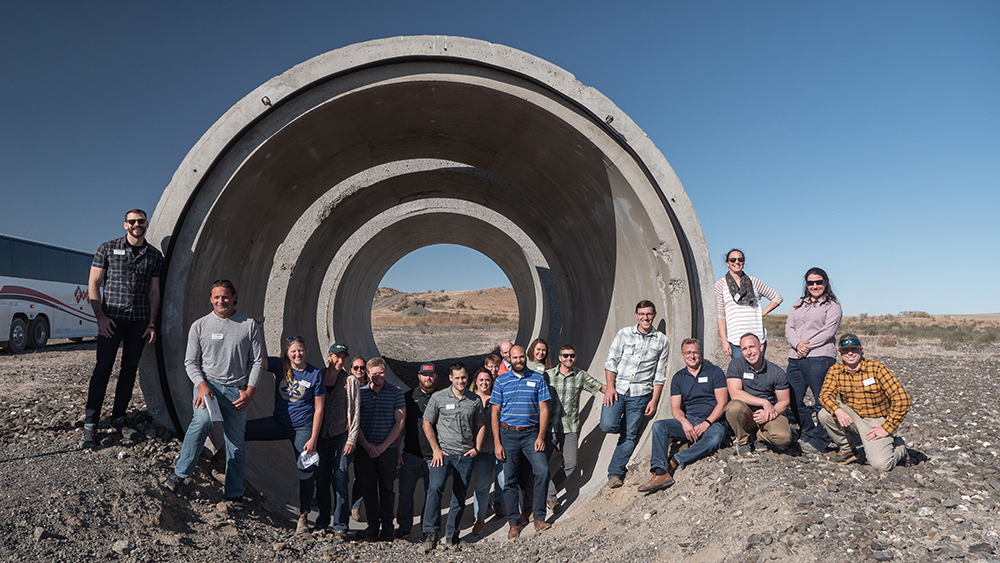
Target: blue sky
862,137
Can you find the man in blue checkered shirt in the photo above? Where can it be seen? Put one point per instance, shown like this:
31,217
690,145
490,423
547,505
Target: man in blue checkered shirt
635,372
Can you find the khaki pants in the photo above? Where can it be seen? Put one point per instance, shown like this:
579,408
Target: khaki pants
883,453
740,417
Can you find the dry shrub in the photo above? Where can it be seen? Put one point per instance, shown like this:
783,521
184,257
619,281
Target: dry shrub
886,341
443,319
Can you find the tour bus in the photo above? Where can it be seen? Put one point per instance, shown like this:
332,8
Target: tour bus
43,294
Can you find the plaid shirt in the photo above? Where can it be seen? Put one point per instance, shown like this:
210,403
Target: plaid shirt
872,391
638,360
565,391
128,273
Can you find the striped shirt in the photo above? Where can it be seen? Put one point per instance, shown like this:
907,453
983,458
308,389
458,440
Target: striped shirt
741,319
638,360
128,274
872,391
378,412
565,392
518,397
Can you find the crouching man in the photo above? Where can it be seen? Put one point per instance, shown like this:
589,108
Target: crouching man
863,398
698,396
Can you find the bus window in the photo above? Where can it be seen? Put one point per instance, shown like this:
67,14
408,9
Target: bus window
53,264
4,257
26,261
78,268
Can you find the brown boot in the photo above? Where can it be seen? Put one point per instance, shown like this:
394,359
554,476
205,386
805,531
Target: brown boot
657,483
542,525
514,531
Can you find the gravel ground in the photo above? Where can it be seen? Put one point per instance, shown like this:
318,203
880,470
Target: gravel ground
58,503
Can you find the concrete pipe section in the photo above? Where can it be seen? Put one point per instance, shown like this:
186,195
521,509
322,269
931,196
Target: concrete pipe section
311,187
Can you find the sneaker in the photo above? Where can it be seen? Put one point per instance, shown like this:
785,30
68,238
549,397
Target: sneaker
745,451
340,536
807,447
843,458
905,460
477,526
173,482
499,511
554,506
87,440
120,422
430,541
370,533
615,482
236,504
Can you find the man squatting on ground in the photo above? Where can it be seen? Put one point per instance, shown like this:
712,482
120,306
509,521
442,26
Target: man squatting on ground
382,416
454,425
759,395
337,438
566,381
520,418
635,374
224,360
129,270
698,396
416,451
862,397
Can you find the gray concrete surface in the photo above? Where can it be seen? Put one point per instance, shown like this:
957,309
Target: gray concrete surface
308,190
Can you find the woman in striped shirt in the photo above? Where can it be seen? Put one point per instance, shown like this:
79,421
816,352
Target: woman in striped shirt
737,297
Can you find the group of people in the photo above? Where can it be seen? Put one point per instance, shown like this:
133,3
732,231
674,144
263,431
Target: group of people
500,424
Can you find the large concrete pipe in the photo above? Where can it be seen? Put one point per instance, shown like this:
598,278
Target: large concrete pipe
308,190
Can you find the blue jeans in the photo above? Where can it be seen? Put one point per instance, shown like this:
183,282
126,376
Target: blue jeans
669,429
808,372
627,411
414,467
333,466
460,466
269,429
516,442
484,467
233,426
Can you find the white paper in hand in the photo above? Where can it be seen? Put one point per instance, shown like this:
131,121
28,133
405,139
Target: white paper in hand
214,412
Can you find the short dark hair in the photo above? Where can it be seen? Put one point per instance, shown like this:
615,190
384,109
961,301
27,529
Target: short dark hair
643,304
457,366
226,284
750,334
139,211
567,347
691,341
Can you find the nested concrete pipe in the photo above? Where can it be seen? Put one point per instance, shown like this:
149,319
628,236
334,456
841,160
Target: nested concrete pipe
308,190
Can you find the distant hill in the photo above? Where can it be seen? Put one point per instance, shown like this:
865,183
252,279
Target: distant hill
496,305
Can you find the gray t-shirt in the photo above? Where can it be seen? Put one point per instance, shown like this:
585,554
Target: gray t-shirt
456,420
761,384
228,351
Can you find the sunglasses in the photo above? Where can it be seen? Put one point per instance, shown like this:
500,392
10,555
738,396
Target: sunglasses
291,339
357,368
135,221
850,343
815,282
735,260
567,355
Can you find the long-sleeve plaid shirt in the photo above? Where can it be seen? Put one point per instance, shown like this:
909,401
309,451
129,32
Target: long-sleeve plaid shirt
872,391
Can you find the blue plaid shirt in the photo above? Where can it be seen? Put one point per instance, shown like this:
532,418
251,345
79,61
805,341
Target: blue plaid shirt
518,397
128,274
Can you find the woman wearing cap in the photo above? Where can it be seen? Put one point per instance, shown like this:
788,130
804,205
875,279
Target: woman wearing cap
810,329
737,297
298,414
486,465
538,356
337,439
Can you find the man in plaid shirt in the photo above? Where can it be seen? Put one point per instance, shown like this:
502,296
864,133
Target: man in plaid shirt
871,404
566,381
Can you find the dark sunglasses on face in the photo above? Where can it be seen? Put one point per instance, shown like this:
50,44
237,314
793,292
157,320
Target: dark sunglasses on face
815,282
135,221
735,260
357,368
567,355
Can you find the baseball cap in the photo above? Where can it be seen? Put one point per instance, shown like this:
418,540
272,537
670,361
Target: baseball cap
337,348
307,463
849,341
427,368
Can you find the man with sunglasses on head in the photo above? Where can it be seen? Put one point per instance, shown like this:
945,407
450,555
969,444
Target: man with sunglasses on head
862,397
565,381
128,271
416,450
224,361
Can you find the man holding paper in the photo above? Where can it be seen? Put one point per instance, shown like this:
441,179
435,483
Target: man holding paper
224,360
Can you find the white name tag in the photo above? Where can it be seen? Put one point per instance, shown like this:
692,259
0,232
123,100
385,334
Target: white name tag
449,407
869,381
702,380
747,375
304,384
119,252
216,336
531,383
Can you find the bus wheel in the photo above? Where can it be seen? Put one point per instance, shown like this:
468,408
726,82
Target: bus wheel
38,333
18,336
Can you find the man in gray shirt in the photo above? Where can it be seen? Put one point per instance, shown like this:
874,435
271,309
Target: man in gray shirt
454,422
759,395
224,359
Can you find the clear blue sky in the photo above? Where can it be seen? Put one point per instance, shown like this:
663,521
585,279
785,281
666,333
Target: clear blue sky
863,137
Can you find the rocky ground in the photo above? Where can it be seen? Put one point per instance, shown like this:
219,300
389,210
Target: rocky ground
58,503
